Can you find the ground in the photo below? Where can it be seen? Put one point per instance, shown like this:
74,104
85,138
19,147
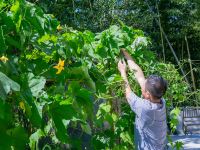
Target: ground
191,142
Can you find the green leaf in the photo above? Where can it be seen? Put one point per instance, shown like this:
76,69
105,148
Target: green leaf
6,85
19,137
17,17
84,99
15,138
35,116
6,143
5,116
60,129
63,111
36,84
60,113
8,24
13,42
15,7
175,111
26,95
35,17
105,107
82,73
174,118
44,38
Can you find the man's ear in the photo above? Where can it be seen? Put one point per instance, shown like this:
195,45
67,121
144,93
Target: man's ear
148,94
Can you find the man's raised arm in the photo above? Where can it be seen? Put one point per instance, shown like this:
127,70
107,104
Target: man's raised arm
122,70
134,101
139,75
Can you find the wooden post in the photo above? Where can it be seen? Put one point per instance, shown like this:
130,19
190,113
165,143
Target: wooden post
190,63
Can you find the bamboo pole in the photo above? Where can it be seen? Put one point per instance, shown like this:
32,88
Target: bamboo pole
182,46
161,35
190,63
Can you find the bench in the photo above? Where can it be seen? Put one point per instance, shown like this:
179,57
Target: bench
191,120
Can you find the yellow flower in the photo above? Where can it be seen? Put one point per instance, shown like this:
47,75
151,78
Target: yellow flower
59,28
59,66
22,106
4,59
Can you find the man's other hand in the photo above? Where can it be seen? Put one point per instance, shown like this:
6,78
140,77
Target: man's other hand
122,66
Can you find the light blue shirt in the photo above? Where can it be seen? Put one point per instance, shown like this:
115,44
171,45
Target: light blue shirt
150,123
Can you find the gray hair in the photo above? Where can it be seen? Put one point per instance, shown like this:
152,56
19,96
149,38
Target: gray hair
156,86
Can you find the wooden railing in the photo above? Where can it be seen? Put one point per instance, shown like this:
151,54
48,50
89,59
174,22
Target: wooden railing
191,120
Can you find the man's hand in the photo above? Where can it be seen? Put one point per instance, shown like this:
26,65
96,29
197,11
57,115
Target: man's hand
122,66
126,54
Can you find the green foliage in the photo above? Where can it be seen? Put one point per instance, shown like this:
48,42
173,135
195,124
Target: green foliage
175,146
178,18
173,116
85,97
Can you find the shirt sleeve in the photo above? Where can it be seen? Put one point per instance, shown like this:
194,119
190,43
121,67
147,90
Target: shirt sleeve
136,103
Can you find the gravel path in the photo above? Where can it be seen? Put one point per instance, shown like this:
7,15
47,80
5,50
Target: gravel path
191,142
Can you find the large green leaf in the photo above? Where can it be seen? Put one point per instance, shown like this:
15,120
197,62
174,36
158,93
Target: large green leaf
6,22
34,108
83,98
32,111
6,143
7,84
82,73
64,111
60,129
5,116
13,42
36,84
60,113
19,137
35,17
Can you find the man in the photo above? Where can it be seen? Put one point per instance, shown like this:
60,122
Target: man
150,123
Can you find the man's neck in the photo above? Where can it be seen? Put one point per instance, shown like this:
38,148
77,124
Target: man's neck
158,101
